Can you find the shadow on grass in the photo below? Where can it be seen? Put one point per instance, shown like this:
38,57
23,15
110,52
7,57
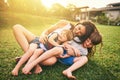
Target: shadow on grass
94,71
91,71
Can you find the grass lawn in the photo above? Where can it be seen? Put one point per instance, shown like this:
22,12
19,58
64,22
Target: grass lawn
103,66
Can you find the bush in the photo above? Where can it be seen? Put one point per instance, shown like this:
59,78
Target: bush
102,19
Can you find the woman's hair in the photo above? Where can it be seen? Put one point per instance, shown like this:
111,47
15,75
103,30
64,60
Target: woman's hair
90,28
96,39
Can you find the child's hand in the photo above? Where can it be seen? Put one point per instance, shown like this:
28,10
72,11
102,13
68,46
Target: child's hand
64,56
43,38
77,52
61,56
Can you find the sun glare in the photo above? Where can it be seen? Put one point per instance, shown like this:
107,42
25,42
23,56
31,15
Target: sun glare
48,3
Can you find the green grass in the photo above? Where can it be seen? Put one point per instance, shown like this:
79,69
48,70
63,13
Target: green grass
103,66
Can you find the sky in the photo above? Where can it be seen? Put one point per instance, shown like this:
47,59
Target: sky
80,3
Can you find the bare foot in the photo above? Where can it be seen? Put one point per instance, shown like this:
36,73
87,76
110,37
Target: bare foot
27,68
69,75
38,69
15,72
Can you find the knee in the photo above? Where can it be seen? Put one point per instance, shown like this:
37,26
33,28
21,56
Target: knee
85,58
16,27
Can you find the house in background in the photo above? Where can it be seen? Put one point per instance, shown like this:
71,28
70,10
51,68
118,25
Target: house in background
82,13
111,12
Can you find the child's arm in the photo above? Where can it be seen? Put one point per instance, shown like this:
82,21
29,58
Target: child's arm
52,38
64,56
71,50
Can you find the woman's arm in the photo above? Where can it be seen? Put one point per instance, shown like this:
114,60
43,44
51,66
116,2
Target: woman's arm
44,34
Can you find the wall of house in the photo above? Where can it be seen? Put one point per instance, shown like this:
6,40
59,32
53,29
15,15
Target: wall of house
112,15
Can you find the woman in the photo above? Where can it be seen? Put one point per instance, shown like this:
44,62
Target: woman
81,30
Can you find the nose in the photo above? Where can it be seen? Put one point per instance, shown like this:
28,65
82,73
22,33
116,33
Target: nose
88,43
78,32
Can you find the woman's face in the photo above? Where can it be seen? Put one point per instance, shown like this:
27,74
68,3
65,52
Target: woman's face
79,30
87,43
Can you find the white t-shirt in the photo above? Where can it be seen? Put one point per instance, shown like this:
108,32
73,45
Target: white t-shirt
83,51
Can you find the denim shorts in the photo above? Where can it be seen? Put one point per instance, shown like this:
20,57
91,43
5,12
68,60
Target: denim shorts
36,41
67,61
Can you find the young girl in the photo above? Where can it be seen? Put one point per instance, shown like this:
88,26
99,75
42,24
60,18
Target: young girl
76,62
72,60
54,39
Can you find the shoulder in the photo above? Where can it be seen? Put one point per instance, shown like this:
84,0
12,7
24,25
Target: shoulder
65,22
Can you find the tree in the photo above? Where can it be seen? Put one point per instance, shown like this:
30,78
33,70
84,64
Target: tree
3,5
27,6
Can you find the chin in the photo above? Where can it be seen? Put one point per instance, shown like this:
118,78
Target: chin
84,46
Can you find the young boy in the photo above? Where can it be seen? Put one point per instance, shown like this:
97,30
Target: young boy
54,39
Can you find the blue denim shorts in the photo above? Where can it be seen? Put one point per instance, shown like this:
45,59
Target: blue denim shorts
36,41
67,61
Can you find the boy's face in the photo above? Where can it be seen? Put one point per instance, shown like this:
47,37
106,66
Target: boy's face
87,43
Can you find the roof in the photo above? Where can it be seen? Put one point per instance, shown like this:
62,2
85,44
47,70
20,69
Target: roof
114,4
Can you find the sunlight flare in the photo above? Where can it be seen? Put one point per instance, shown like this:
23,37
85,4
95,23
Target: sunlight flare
48,3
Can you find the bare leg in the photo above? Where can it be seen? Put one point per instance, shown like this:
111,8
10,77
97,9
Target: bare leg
56,51
35,55
24,59
23,36
78,62
49,62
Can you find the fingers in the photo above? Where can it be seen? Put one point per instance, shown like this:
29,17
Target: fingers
43,38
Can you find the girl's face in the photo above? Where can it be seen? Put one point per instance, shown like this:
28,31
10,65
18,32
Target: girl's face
79,30
87,43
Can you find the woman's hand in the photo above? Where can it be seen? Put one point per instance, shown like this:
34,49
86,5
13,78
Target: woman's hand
43,39
69,50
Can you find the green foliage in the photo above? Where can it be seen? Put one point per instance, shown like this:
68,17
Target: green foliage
102,19
35,7
3,5
103,66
